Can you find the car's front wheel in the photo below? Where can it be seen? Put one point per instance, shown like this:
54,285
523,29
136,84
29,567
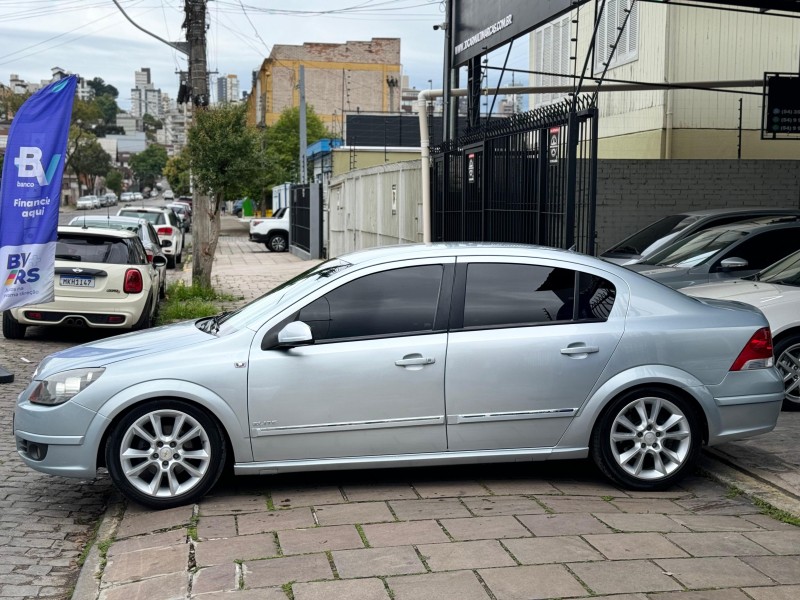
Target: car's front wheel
647,439
165,453
787,359
12,329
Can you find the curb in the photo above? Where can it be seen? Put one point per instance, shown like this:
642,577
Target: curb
719,469
88,585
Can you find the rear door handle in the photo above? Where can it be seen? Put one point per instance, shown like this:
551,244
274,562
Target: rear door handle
570,350
419,360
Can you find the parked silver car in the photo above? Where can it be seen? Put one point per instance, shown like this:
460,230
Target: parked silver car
540,353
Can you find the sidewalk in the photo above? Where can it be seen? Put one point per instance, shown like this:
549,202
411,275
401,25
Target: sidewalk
530,530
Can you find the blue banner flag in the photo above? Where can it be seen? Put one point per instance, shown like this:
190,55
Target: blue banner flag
31,193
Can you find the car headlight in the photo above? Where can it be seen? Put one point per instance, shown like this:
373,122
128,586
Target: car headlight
63,386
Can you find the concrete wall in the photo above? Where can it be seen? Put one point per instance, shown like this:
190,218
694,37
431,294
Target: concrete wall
633,193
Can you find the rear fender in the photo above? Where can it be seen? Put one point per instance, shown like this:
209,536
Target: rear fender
580,429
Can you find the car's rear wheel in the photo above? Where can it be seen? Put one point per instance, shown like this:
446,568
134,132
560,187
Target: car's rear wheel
165,453
277,243
12,329
647,439
787,359
170,261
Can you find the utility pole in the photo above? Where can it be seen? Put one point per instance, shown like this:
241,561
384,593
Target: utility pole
303,130
196,37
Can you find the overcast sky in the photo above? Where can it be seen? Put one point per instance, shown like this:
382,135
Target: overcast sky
92,38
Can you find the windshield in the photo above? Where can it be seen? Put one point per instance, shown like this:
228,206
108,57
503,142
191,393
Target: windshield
784,272
640,240
260,309
154,217
695,249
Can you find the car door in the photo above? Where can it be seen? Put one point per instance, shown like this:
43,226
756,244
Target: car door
525,350
759,249
373,381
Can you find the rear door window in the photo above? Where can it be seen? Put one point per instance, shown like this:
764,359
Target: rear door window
514,295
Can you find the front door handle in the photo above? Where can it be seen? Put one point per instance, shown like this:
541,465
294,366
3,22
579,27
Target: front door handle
417,360
570,350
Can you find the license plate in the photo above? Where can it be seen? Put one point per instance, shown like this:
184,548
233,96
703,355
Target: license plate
77,281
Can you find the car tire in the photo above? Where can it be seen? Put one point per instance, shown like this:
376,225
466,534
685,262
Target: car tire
162,290
146,318
153,464
170,261
647,439
277,243
179,258
787,359
12,329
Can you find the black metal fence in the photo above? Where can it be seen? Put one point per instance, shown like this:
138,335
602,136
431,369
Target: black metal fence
306,225
530,178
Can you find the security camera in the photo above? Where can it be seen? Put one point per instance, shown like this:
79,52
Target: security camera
441,26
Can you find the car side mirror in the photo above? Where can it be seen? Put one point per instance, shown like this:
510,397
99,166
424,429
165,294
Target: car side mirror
734,262
159,261
294,334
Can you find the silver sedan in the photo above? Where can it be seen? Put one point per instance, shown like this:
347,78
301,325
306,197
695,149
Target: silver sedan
412,355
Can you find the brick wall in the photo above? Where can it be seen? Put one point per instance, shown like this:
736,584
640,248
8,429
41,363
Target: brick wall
633,193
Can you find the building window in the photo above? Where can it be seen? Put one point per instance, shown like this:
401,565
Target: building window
612,18
551,55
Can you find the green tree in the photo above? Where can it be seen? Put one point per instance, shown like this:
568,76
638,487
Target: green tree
150,125
148,165
90,161
222,152
114,181
108,109
177,173
283,144
101,88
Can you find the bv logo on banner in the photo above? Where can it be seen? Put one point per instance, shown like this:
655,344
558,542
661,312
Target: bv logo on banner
31,193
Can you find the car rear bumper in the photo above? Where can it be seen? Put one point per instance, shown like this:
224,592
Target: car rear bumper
121,313
748,403
259,238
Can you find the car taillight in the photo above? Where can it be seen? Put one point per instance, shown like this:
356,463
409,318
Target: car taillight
133,282
149,255
255,222
164,231
757,353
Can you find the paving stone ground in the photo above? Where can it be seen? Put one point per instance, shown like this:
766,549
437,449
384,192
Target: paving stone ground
529,530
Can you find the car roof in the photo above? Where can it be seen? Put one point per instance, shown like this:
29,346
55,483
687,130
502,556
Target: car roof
119,233
713,212
437,249
152,209
759,223
79,220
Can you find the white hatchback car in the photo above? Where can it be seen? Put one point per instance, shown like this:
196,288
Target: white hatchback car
102,280
85,203
168,227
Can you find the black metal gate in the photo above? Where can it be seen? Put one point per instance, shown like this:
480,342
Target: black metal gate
530,178
305,210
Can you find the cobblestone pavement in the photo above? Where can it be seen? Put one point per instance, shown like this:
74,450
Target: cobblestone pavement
532,530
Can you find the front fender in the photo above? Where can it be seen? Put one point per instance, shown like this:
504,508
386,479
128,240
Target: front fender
237,432
580,429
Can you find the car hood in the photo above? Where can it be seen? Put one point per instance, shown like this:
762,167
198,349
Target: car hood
122,347
759,294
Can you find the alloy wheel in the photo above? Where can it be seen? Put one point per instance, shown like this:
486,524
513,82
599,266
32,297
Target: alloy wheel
165,453
788,364
650,438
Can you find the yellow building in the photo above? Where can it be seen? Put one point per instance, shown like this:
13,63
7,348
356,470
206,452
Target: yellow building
339,78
